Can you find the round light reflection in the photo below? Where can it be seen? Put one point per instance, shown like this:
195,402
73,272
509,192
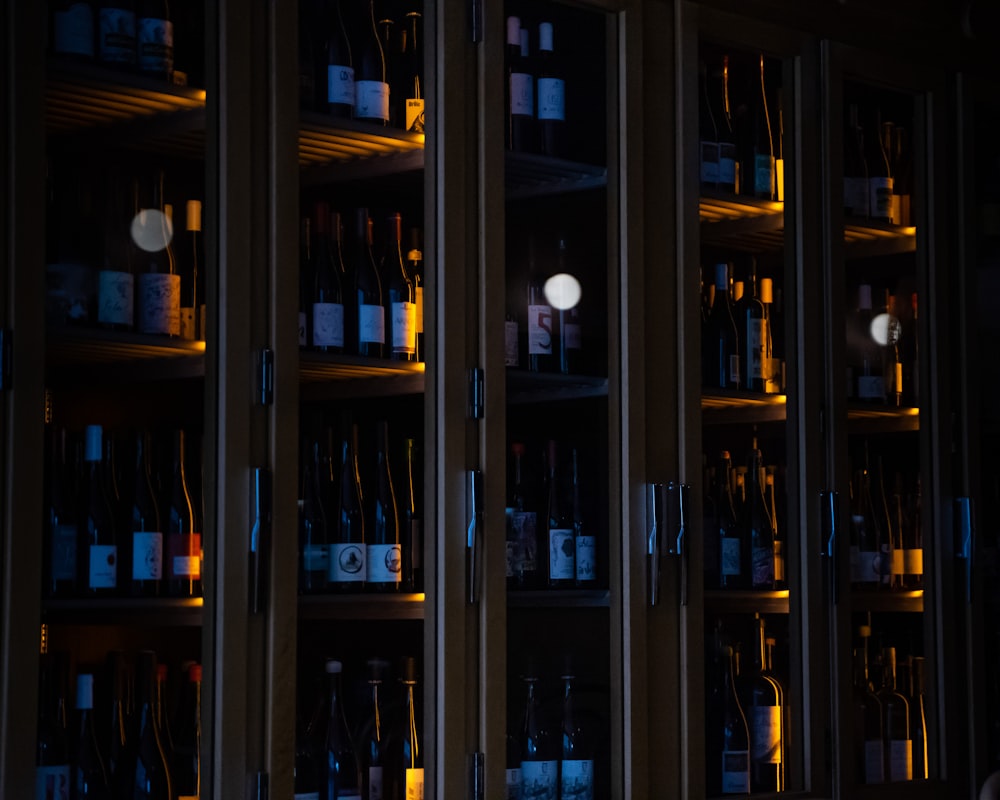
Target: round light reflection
152,230
563,291
885,329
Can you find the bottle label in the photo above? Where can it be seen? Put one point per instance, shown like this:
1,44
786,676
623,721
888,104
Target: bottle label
160,303
900,760
561,554
880,197
328,325
763,174
730,556
114,297
52,783
762,566
302,329
540,780
372,100
347,563
522,95
735,771
871,387
756,343
856,196
779,562
418,294
188,329
415,114
551,99
340,84
73,30
371,324
374,783
414,783
897,563
540,330
147,556
513,776
523,533
64,553
156,45
184,556
734,369
913,561
385,563
572,336
576,780
116,44
586,558
315,558
710,163
765,734
103,566
874,765
727,165
404,327
511,357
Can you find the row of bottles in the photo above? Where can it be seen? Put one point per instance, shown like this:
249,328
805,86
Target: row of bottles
353,302
890,723
535,92
746,715
878,167
126,738
125,267
550,541
741,126
366,747
882,346
121,516
744,524
886,532
130,35
742,332
357,61
360,529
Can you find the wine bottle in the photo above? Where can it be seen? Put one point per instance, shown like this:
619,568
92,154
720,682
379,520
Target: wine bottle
759,523
584,541
913,544
147,534
539,769
392,52
731,544
368,291
182,542
895,723
341,776
73,29
888,563
522,541
720,350
187,738
576,764
62,530
411,519
560,530
159,285
113,481
151,777
193,315
708,133
735,766
771,367
761,700
160,709
328,294
520,86
347,569
900,525
541,322
770,494
755,334
855,167
870,381
371,86
99,527
373,742
551,96
762,164
412,774
341,90
728,161
918,718
305,773
880,170
52,765
384,558
865,534
411,85
119,731
88,774
902,177
401,307
512,772
869,766
155,39
313,549
116,41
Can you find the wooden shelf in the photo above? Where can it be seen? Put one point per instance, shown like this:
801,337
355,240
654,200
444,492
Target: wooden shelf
559,598
720,407
541,387
746,601
324,376
528,175
74,354
362,606
888,601
142,611
864,418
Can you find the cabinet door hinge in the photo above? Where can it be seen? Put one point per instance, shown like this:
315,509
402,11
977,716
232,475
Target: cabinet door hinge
477,776
265,376
263,789
260,534
6,357
476,20
477,402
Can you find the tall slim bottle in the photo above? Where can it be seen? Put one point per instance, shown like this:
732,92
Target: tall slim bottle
584,540
147,533
158,287
373,741
869,763
880,170
411,85
898,747
412,775
89,775
560,532
728,160
411,521
368,292
115,280
401,307
759,521
762,696
551,96
371,80
918,717
342,777
576,763
708,132
187,738
756,336
415,271
119,735
340,84
541,322
770,494
347,568
52,766
151,777
183,543
62,534
731,543
570,327
539,769
735,766
720,350
99,526
520,86
193,316
384,559
522,522
761,162
865,534
328,293
313,547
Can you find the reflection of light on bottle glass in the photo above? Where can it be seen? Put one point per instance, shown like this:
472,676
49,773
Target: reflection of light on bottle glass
152,230
885,329
562,291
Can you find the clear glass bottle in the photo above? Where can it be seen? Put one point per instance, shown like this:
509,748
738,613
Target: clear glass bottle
539,767
342,777
576,763
898,747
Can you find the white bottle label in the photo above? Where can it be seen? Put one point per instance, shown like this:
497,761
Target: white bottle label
415,114
710,163
374,783
551,99
765,734
114,297
302,329
586,558
117,36
156,45
874,765
730,556
52,783
756,342
73,30
371,324
576,780
64,552
540,780
103,566
513,776
347,563
735,771
385,563
160,303
900,760
372,100
404,327
522,95
315,558
540,330
328,325
913,561
414,783
562,554
340,84
510,349
147,556
880,198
